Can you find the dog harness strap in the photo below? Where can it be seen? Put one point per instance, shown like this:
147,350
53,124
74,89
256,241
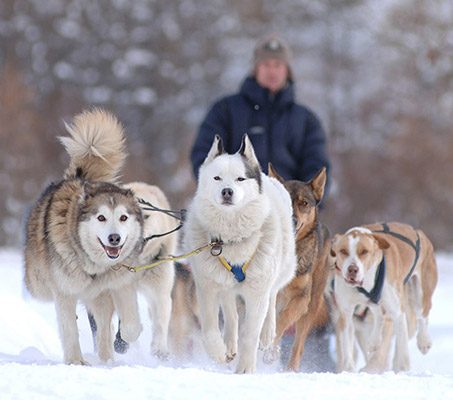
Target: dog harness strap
416,246
237,270
375,294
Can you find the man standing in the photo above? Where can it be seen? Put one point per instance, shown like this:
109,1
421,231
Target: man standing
282,132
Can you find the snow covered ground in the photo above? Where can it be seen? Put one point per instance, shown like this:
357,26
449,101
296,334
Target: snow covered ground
31,360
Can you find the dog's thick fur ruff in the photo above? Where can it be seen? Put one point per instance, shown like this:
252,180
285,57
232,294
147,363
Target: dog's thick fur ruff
302,300
252,214
357,255
80,230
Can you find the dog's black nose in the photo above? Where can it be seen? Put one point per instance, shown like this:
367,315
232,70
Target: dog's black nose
227,193
114,239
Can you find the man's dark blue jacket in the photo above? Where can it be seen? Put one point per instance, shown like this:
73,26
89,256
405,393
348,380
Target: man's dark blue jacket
282,132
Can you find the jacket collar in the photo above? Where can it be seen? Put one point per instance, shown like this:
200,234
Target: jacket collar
258,95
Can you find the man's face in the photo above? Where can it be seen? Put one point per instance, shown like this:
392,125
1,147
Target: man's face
272,74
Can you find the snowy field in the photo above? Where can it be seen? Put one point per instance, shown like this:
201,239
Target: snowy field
31,365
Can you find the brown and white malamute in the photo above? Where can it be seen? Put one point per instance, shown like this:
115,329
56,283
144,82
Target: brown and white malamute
81,230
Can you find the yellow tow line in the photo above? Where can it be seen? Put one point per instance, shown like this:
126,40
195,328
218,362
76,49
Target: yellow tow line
173,258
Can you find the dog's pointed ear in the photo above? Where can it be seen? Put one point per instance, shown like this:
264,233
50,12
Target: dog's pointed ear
382,243
332,242
216,149
318,183
246,150
273,173
88,190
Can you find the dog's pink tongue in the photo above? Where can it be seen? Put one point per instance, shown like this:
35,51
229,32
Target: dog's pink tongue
112,251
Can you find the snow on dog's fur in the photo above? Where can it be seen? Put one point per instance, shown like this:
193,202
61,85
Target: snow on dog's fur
80,231
251,214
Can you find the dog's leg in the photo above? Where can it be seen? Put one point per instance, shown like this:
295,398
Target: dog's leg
67,324
125,300
292,310
181,323
102,309
296,308
302,330
414,294
378,361
426,287
209,303
268,332
376,333
315,313
230,315
346,339
401,361
256,307
159,303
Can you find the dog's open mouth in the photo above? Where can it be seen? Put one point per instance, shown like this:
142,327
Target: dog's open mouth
353,282
112,252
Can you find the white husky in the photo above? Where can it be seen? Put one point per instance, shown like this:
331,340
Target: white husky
251,214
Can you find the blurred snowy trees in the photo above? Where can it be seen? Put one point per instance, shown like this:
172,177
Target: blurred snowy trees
379,75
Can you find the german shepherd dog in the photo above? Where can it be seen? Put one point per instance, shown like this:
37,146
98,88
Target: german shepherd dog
302,301
79,233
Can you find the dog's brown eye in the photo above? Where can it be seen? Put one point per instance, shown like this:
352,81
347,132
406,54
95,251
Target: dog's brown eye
241,179
123,218
364,251
304,203
344,252
217,178
101,218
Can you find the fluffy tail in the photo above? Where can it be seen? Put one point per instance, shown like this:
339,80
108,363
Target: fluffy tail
97,146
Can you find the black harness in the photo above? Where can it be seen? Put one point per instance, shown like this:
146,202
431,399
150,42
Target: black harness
415,246
179,215
375,294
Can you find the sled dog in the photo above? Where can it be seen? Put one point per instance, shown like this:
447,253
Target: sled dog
249,215
80,231
302,301
156,283
383,267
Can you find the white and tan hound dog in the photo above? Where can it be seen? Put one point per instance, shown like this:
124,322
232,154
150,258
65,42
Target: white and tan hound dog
386,268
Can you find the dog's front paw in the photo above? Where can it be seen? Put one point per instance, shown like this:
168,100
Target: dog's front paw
245,367
231,350
424,343
371,369
162,355
159,349
271,355
105,352
267,336
216,348
130,331
78,361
